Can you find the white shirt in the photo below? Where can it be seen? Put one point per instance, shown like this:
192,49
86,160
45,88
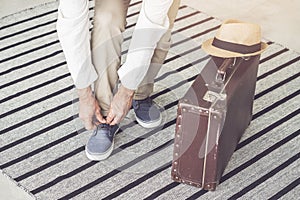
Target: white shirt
73,33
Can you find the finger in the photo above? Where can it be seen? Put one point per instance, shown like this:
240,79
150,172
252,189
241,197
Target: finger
114,122
96,123
99,117
110,117
117,120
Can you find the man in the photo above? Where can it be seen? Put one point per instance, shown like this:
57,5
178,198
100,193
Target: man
96,60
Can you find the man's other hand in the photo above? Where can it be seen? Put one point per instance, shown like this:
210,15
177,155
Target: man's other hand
120,105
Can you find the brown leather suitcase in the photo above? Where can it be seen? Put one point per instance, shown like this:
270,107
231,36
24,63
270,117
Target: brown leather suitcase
212,116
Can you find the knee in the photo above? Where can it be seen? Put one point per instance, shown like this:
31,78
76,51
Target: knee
108,20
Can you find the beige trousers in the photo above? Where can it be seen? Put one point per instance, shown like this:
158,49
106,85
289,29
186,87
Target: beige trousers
109,23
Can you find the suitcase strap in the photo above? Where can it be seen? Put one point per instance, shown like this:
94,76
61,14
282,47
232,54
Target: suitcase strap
222,70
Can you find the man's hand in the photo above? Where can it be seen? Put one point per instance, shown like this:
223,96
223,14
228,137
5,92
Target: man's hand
120,105
88,108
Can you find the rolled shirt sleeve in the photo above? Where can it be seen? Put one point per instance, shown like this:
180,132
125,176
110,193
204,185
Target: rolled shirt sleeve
152,23
73,33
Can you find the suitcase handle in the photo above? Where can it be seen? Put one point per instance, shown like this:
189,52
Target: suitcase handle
221,73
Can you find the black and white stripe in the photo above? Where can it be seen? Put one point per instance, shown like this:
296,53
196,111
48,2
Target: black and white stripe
42,140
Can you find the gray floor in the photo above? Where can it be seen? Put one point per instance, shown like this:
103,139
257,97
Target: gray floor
9,189
17,170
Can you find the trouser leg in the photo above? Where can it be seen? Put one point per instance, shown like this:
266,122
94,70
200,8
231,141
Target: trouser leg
160,53
109,23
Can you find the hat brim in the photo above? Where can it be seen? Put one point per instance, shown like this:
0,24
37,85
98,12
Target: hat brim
214,51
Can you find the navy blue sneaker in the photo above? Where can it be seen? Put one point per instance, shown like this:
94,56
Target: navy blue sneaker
147,113
101,143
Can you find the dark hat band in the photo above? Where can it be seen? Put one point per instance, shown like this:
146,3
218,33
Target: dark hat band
238,48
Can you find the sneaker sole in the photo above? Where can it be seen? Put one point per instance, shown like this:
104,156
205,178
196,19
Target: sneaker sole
98,157
152,124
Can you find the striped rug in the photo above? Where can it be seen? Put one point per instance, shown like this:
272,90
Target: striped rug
42,140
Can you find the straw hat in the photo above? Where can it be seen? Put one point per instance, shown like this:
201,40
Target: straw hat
235,39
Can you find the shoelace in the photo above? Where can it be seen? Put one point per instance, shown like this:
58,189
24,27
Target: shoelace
103,126
110,130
